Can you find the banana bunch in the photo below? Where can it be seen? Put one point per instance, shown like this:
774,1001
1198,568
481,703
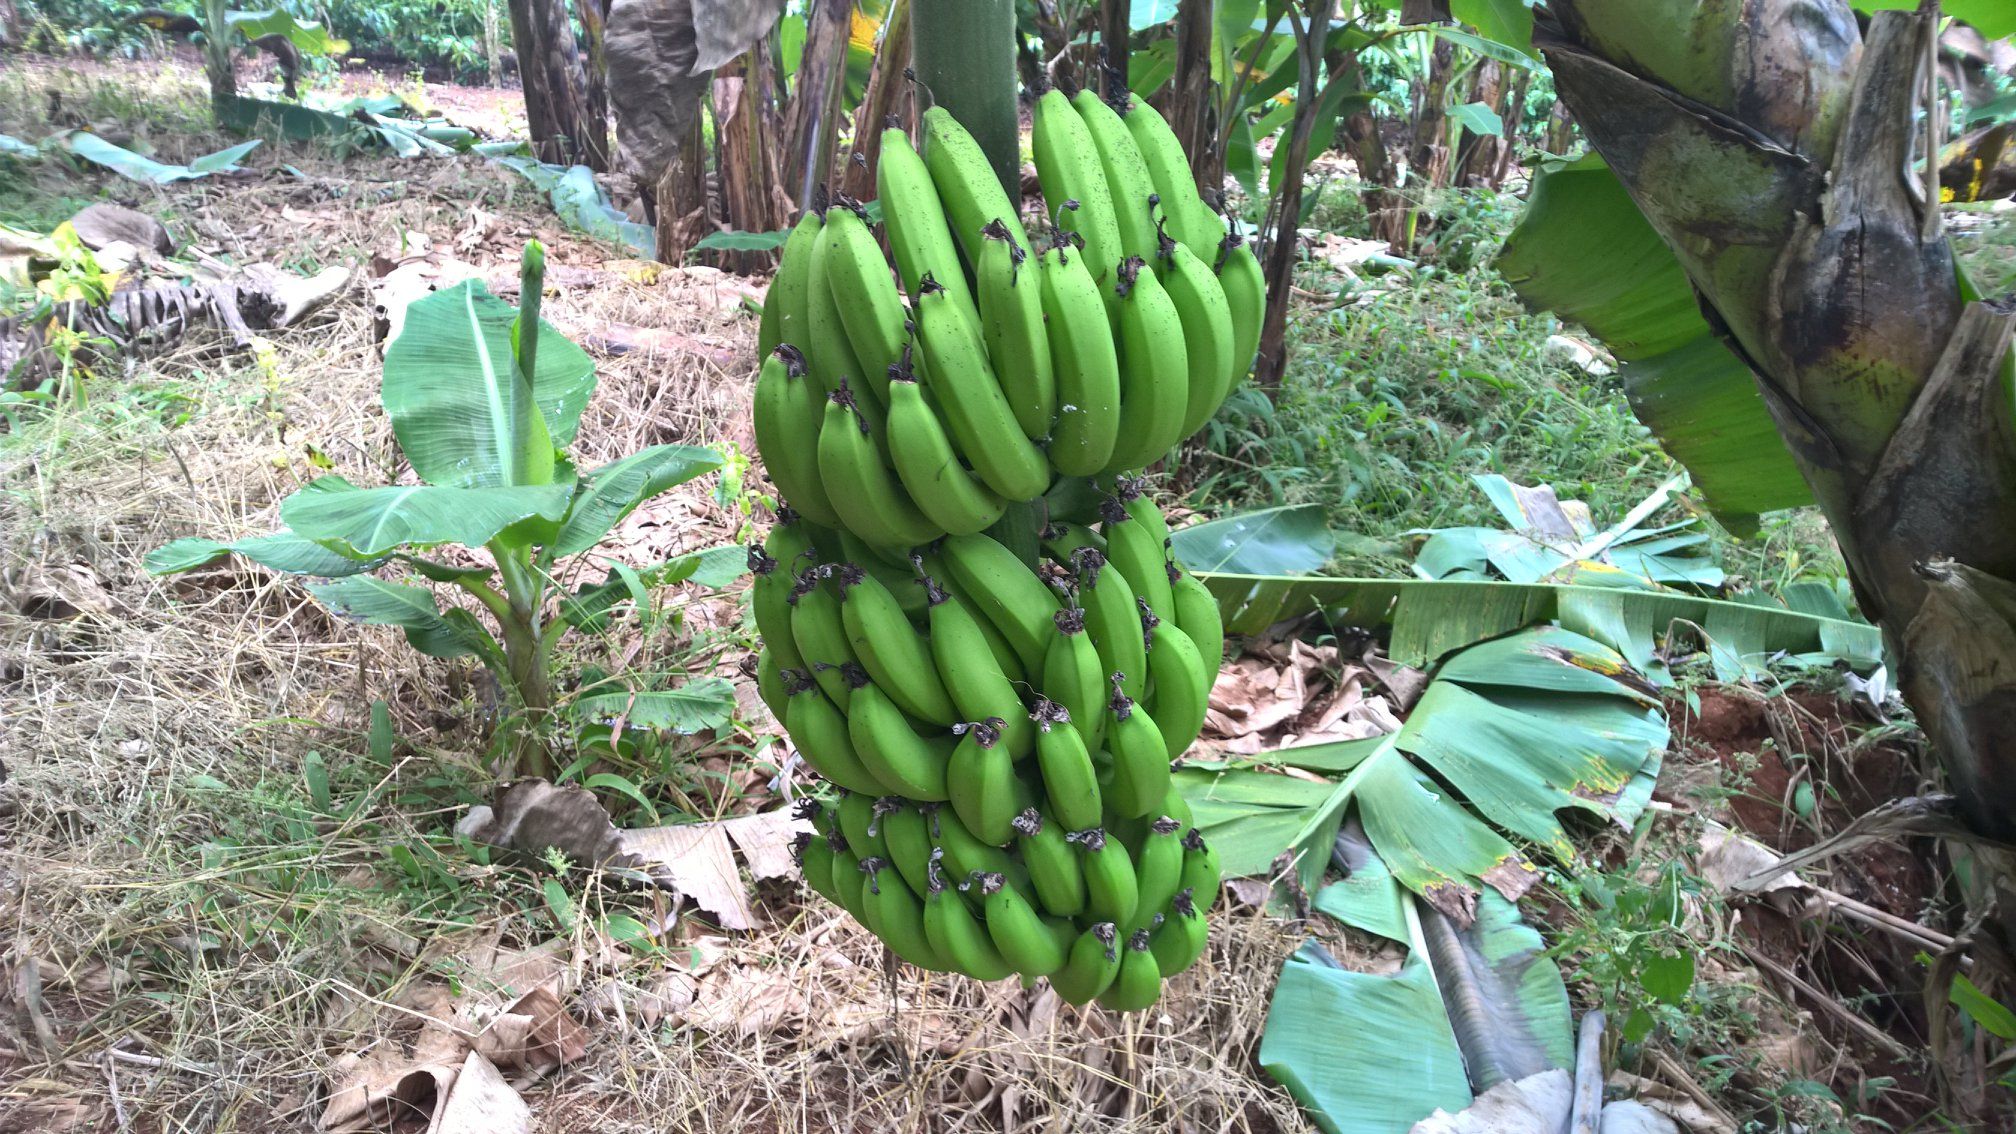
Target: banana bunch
999,722
1001,738
910,401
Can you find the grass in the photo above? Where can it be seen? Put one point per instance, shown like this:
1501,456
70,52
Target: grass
1402,387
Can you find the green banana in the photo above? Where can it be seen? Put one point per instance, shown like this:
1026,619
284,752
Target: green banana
1182,938
965,853
1022,935
889,566
966,183
1011,326
815,863
824,342
1207,330
1140,978
1006,591
1179,685
789,410
856,817
1132,492
1158,870
870,308
1245,287
770,683
785,306
1188,216
1073,676
818,730
774,566
1061,538
1152,353
1134,551
896,914
906,832
1126,173
849,884
950,495
910,764
895,655
1069,779
1086,364
1177,807
973,678
913,219
1112,619
1068,167
1111,891
956,934
1140,779
1054,870
1198,616
1093,963
981,781
1200,868
1004,654
820,634
867,496
981,421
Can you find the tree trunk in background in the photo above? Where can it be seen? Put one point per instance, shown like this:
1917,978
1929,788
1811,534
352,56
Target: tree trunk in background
556,97
887,93
1560,134
681,196
964,54
812,121
1115,18
1515,113
1285,208
1788,195
1477,154
12,32
595,67
1428,131
217,58
753,198
1189,96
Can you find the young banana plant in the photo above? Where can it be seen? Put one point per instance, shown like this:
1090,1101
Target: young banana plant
482,400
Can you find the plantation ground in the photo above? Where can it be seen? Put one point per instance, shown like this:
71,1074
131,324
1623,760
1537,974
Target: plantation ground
181,888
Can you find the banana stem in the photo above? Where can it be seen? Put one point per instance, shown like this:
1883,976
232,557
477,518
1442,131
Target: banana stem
964,54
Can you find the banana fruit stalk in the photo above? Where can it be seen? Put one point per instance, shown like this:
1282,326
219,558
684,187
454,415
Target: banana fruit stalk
998,732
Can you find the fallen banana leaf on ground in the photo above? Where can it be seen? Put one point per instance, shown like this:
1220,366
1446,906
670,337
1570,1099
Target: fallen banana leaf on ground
1523,727
580,201
1548,538
1470,1009
126,163
1429,618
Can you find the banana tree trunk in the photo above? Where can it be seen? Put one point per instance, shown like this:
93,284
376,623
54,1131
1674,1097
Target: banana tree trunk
1774,154
964,54
812,121
1115,22
1285,209
887,93
217,57
752,181
556,95
1190,90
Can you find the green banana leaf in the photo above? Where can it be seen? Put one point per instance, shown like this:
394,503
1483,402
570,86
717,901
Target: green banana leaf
1362,1054
363,522
449,391
126,163
283,551
580,201
1994,19
1507,22
1428,619
1472,1007
1584,251
1523,727
453,633
307,36
616,489
1547,534
700,705
588,607
1290,540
